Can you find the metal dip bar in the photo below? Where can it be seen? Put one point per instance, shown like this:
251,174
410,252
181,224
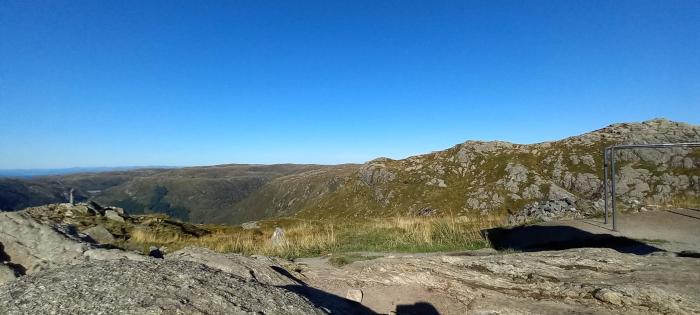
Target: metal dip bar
609,167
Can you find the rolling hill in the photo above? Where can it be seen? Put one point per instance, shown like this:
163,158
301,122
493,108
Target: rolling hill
470,178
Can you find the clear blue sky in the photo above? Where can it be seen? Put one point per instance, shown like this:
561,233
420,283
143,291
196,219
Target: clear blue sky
107,83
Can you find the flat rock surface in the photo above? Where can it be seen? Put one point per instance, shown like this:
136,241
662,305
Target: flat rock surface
260,268
146,287
6,273
580,281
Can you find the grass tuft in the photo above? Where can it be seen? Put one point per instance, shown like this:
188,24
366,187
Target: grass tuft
304,238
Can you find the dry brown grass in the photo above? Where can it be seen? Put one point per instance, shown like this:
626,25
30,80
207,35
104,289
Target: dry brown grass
312,238
684,201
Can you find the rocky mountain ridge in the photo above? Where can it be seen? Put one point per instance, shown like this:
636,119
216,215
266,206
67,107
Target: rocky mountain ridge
526,182
497,177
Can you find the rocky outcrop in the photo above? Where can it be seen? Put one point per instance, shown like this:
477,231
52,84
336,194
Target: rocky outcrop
36,246
146,287
546,211
530,182
258,268
33,246
46,269
574,281
99,234
375,172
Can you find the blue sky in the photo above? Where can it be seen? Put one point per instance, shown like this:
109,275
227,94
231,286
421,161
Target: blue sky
117,83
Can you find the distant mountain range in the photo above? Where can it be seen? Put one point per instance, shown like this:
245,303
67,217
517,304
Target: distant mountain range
471,178
32,172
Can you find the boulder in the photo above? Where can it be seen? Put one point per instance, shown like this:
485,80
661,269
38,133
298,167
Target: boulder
118,210
33,246
36,246
260,268
113,215
426,212
99,234
146,287
354,295
375,173
546,211
250,225
558,193
96,207
278,238
608,296
82,209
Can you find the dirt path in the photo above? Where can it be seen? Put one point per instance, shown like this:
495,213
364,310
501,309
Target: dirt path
673,230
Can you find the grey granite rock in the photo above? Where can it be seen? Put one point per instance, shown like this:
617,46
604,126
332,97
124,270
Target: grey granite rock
575,281
113,215
99,234
35,246
260,268
146,287
7,274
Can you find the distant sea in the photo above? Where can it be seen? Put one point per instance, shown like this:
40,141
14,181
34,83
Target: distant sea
71,170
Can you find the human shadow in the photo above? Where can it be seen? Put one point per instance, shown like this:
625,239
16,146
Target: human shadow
683,214
319,298
420,308
335,304
542,238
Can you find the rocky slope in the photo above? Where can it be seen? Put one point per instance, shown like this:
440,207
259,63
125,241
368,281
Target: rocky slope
146,287
561,177
536,181
45,269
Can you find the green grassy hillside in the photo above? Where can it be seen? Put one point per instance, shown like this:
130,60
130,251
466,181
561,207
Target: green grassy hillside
472,178
490,177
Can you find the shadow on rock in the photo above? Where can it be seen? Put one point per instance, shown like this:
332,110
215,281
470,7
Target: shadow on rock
287,274
18,269
331,302
539,238
420,308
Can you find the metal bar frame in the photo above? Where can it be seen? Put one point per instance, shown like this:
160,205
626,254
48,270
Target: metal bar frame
605,183
609,167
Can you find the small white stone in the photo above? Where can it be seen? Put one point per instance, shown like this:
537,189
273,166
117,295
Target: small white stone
610,296
354,295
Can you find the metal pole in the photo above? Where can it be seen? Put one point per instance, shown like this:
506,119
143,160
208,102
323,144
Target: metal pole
609,156
605,183
612,191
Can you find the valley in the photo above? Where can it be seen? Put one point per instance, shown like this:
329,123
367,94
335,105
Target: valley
470,179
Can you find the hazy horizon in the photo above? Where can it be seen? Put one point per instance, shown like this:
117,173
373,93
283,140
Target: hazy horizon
6,172
97,84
